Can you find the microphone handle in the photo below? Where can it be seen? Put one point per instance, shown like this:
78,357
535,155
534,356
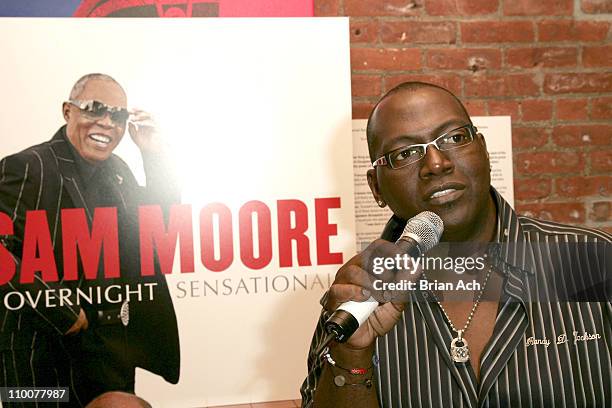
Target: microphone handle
350,315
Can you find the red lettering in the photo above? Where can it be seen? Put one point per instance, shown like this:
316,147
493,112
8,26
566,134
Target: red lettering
207,237
287,233
325,230
76,238
153,233
264,234
7,262
37,249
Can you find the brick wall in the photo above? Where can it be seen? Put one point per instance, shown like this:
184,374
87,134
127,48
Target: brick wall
547,63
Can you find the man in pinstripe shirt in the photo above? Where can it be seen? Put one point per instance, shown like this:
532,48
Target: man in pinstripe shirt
528,346
89,347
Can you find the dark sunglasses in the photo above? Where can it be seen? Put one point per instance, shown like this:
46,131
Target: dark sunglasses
97,110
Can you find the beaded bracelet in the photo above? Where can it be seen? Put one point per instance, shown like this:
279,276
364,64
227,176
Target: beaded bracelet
340,380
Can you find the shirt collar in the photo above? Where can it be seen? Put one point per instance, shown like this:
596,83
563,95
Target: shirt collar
510,249
511,252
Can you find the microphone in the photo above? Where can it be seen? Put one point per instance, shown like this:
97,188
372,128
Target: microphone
422,232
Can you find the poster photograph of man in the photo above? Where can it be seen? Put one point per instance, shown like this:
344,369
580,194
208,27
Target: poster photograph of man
92,346
150,200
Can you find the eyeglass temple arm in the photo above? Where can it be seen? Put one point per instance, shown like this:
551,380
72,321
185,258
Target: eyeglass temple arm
381,161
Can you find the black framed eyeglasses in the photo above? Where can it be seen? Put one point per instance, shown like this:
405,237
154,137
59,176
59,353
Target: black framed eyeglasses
96,110
406,155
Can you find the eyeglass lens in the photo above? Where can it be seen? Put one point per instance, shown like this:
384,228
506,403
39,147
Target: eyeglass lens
410,154
98,110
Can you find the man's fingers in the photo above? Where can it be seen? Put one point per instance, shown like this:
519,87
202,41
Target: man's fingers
376,248
340,293
85,322
137,111
385,317
147,122
353,274
385,259
141,117
80,324
380,248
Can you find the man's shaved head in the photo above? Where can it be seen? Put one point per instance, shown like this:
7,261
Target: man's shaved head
408,87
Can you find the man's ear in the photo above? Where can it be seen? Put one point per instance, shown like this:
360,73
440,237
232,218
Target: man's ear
373,183
482,140
484,146
66,111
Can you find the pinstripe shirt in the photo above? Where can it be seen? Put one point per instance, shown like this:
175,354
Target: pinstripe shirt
518,368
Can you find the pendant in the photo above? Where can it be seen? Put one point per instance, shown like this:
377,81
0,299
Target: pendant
459,349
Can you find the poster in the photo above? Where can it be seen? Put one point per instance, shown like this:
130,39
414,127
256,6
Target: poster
157,8
256,110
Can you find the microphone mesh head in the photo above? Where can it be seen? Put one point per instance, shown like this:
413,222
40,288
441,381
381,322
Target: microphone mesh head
428,227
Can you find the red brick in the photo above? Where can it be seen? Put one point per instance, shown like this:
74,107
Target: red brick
505,108
600,56
501,85
557,212
601,108
529,136
473,59
363,31
385,58
531,188
450,82
381,8
460,7
583,186
600,211
582,135
497,31
596,6
538,7
323,8
601,161
366,85
475,107
593,82
415,32
536,110
549,162
571,30
572,109
542,57
361,110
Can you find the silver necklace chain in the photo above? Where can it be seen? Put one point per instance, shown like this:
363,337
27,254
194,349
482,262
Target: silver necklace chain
474,307
459,350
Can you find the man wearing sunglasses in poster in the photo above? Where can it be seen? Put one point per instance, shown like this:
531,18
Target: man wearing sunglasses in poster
92,347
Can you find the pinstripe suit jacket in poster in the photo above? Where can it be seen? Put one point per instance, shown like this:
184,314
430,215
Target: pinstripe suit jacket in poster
45,177
545,264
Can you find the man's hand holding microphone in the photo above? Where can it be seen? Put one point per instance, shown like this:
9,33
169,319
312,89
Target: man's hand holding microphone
366,305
